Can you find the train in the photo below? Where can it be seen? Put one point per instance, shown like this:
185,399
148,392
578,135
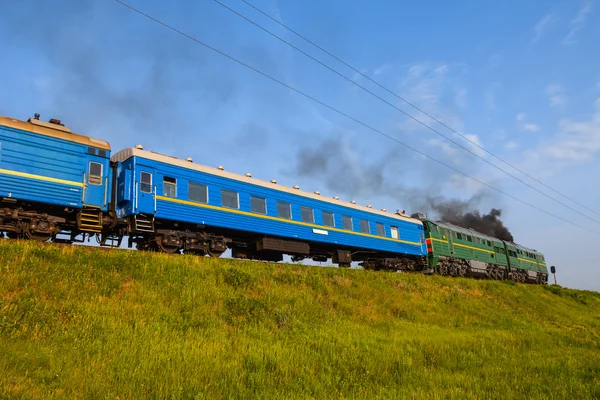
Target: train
60,186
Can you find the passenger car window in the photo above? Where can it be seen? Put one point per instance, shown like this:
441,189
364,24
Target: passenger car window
284,210
307,215
258,205
146,182
364,226
197,192
169,187
229,199
347,222
95,175
394,230
328,219
380,229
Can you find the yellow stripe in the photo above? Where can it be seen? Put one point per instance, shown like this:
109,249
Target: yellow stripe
462,245
532,262
474,248
289,221
438,240
40,177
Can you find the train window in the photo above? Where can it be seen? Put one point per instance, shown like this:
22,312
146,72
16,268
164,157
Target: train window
459,236
229,199
197,192
489,243
469,238
307,214
284,210
364,226
95,176
102,153
346,222
91,151
169,187
380,229
258,205
145,182
394,230
328,218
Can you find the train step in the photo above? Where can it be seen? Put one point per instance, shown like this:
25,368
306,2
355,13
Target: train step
89,219
141,224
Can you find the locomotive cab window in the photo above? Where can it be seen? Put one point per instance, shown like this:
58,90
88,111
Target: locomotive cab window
258,205
394,230
284,210
169,187
364,226
229,199
328,218
95,176
197,192
307,215
347,222
380,229
145,182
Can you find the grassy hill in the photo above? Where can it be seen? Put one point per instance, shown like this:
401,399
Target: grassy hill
80,323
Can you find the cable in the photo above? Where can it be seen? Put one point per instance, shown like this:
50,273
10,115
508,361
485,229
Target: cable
415,107
164,24
405,113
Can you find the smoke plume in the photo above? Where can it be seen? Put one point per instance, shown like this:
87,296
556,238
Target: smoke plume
343,171
461,213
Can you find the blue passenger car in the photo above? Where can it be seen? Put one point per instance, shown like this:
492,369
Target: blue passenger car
158,188
44,165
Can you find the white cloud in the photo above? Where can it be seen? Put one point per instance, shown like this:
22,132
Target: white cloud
511,145
475,144
428,86
382,69
526,126
460,99
556,95
531,127
490,99
575,142
443,145
578,23
542,27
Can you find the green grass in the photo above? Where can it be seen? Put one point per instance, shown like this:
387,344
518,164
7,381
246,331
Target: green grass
78,323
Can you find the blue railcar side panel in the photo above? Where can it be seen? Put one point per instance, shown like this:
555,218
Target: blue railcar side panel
49,170
181,209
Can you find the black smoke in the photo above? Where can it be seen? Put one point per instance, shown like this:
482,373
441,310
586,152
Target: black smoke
461,213
360,175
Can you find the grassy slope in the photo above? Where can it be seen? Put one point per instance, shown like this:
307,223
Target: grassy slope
77,323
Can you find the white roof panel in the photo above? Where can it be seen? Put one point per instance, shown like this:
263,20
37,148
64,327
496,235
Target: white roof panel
131,152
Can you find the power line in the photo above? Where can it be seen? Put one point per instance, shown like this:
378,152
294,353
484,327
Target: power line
404,112
164,24
414,106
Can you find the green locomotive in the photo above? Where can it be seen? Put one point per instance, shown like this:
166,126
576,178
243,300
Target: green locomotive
457,251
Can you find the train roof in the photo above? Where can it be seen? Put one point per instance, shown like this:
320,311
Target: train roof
518,246
466,231
457,228
188,164
53,129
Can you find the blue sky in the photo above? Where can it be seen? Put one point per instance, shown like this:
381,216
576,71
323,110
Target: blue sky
524,82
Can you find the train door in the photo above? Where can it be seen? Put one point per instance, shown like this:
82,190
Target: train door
95,185
145,190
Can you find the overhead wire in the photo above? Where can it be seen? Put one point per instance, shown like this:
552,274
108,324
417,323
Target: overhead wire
404,112
413,105
264,74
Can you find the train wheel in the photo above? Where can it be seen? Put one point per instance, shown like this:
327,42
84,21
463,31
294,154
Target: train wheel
214,253
166,248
